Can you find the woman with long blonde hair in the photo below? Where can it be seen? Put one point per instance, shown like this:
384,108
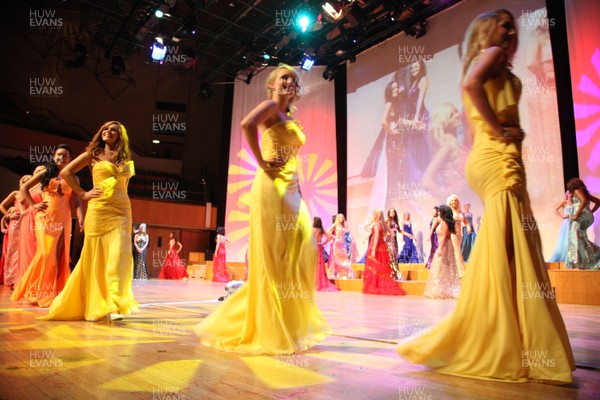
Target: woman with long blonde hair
274,312
506,324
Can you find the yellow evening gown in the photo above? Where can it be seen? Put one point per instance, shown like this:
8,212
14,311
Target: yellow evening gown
506,324
274,312
49,270
101,282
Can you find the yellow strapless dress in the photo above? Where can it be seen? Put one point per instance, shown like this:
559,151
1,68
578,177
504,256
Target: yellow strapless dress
506,324
101,282
274,312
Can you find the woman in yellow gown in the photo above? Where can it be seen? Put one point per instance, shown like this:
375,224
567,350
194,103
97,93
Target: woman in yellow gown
100,284
506,324
274,312
49,270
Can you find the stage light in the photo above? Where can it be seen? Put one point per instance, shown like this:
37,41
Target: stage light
420,29
333,10
156,141
329,73
205,91
118,65
307,63
159,51
303,22
158,13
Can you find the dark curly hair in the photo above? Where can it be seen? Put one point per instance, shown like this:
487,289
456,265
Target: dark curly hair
576,183
446,215
318,223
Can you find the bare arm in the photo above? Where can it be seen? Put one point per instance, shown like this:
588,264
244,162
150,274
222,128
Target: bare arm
375,239
261,114
30,184
218,245
583,202
423,87
7,201
443,237
68,174
596,202
559,210
490,64
386,119
435,165
179,247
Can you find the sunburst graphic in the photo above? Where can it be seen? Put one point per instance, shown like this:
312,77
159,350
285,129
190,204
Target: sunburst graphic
587,114
318,184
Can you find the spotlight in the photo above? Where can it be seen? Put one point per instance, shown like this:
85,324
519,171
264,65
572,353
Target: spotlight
159,51
333,10
159,14
307,63
420,29
118,65
303,22
329,73
156,141
249,77
205,91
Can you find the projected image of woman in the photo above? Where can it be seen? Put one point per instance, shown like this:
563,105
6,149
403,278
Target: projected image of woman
415,121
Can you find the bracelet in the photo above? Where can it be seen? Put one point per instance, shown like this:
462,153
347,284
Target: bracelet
505,132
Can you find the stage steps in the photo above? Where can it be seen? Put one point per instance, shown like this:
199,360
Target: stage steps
569,286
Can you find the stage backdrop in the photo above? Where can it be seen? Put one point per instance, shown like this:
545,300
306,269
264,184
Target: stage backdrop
317,159
421,77
584,57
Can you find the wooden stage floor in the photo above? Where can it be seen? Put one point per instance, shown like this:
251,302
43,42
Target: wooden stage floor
153,355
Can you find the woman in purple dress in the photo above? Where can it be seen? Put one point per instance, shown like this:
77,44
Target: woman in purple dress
433,224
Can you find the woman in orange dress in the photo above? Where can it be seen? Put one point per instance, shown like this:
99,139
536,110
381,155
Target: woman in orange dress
49,270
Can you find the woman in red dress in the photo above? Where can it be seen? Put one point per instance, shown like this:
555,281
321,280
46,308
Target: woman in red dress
220,273
172,267
377,275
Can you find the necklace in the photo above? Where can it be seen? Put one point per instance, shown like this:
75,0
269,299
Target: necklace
109,151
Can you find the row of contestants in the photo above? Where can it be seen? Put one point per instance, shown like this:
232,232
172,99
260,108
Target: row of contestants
100,284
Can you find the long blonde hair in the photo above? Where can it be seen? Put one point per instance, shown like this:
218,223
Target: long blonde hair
96,146
439,122
478,35
273,75
387,232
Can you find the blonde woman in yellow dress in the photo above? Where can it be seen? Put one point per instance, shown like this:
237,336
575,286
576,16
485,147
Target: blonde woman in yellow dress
506,325
274,312
100,285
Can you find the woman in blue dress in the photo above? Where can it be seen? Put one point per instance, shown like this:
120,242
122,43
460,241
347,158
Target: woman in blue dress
564,210
409,254
468,238
581,252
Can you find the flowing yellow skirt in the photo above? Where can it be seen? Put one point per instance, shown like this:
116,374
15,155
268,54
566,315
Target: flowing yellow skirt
101,282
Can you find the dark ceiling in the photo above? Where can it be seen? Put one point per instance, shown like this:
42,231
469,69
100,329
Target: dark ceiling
221,40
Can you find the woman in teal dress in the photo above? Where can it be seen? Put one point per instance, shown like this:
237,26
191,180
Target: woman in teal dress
581,252
564,210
